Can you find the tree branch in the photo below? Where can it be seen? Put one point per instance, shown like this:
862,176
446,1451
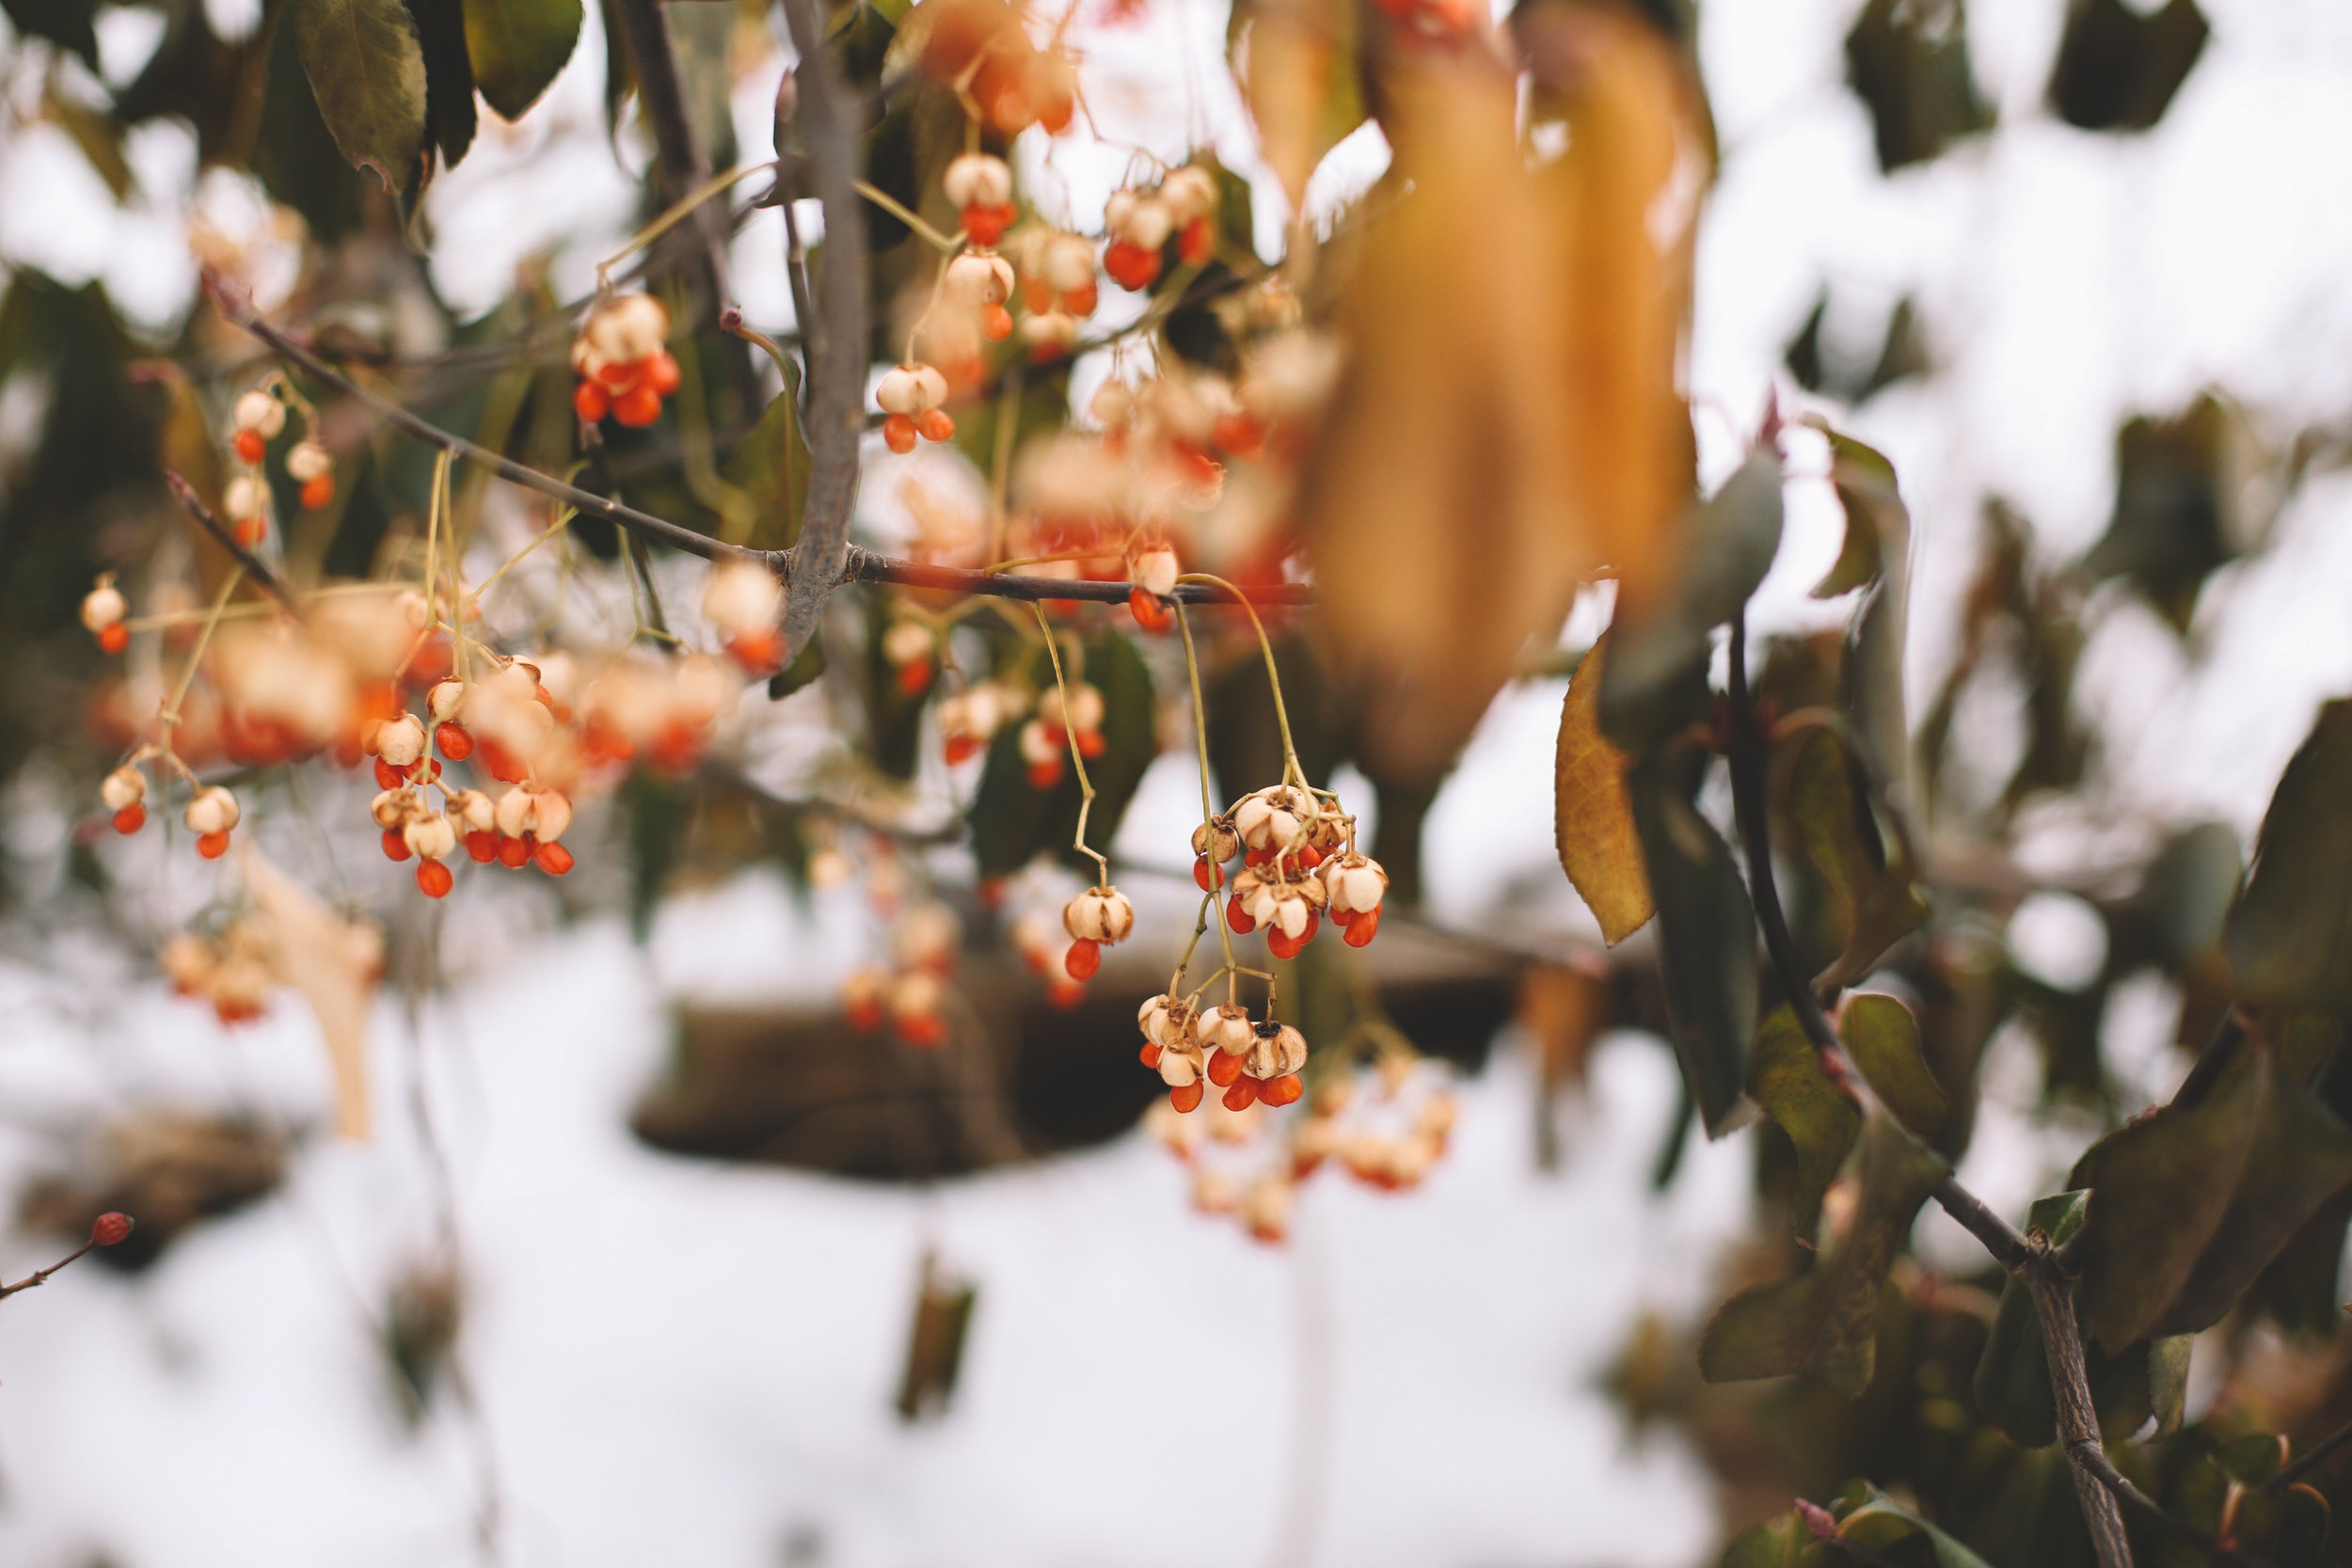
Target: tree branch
2051,1287
678,156
262,575
857,565
829,119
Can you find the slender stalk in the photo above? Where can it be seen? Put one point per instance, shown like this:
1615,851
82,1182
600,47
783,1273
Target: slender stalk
2079,1418
1291,772
1208,804
264,576
1077,758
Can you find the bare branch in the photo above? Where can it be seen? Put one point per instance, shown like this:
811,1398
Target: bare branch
2079,1418
263,573
679,155
829,119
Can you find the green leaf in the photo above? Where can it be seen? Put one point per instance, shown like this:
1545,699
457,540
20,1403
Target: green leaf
770,465
295,158
68,23
1786,1542
2189,1207
2290,938
1592,818
1824,1322
1883,1039
367,73
98,136
1871,674
518,48
1826,800
1655,681
2117,67
803,672
1908,64
447,75
2032,1517
1245,739
2182,510
1706,939
1785,1081
1882,1525
894,716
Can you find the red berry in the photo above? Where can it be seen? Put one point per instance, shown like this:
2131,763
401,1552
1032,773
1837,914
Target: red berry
1187,1097
1260,857
395,844
1282,1090
455,741
935,424
1241,1094
1131,266
514,851
114,638
388,777
553,859
111,1228
1045,775
1238,919
986,225
1364,928
960,748
995,322
637,407
1206,876
249,446
250,532
317,493
1150,611
662,374
1224,1067
482,845
915,676
590,402
1083,958
211,845
1149,1055
1196,244
131,818
434,878
898,433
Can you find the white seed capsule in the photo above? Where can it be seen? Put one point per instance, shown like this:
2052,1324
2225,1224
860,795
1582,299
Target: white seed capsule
246,496
1275,1050
541,813
393,807
1039,747
1081,711
429,835
445,701
1227,842
1140,219
916,994
978,179
1098,914
308,460
979,277
1066,262
124,787
910,388
260,412
1355,882
1225,1028
1153,570
400,741
212,810
1111,405
1054,330
1269,818
1182,1063
928,934
742,596
1188,193
103,606
908,643
474,810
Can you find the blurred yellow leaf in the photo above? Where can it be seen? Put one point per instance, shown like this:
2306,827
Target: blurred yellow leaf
1508,423
1593,819
334,963
1297,61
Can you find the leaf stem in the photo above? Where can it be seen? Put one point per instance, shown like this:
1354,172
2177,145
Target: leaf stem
1208,806
1070,734
1291,772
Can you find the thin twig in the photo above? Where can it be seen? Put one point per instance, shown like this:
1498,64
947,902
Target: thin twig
2317,1455
264,576
837,354
678,149
43,1277
2077,1417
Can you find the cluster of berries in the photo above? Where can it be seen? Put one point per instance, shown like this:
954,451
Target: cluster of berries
623,368
1044,948
229,972
911,996
910,395
1058,287
1298,864
981,48
258,418
911,651
212,811
1251,1062
744,603
1064,717
969,719
1138,223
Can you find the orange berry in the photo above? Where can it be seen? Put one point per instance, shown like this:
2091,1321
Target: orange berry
434,879
590,402
1150,611
1206,876
131,818
1224,1067
1081,301
211,845
395,844
113,639
1063,993
663,374
995,322
455,741
961,748
1187,1097
1045,775
250,445
637,407
915,676
935,424
898,433
513,852
482,845
987,224
110,1229
1092,744
1364,928
1238,919
1241,1094
1131,266
1282,1090
388,777
1083,958
865,1017
317,493
1149,1055
250,532
553,859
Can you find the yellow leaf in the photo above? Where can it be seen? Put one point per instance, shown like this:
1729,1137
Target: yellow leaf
1298,72
1592,817
334,963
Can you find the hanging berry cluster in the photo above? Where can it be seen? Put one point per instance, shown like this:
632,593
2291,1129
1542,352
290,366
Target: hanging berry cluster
258,418
623,368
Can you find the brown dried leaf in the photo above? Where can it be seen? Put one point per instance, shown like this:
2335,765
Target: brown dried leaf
1592,818
335,964
1298,72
